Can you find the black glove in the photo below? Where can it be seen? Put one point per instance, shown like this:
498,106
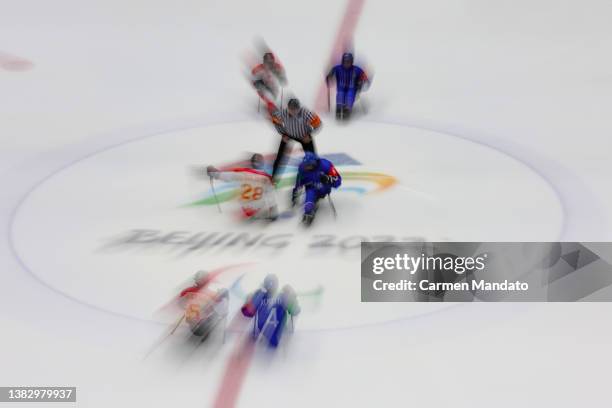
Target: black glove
325,179
259,85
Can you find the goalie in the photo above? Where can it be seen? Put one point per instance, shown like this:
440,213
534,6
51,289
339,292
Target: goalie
256,194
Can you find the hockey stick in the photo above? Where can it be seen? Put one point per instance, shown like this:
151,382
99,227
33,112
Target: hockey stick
328,100
212,186
281,104
161,340
224,328
258,104
177,324
333,207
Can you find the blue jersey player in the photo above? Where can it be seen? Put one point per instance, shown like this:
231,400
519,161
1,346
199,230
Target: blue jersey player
261,296
271,313
273,317
317,176
350,80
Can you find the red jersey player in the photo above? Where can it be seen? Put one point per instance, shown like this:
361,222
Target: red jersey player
268,77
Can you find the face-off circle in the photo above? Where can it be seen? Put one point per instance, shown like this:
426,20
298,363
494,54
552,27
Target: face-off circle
124,229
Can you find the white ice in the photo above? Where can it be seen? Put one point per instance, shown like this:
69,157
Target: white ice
513,95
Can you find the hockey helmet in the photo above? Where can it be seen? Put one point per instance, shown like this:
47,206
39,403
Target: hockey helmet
268,58
257,161
347,57
200,277
270,283
288,295
310,161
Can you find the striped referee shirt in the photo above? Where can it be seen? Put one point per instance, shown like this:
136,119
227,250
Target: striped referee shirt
304,123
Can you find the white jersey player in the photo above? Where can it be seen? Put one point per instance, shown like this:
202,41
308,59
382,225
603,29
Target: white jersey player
256,194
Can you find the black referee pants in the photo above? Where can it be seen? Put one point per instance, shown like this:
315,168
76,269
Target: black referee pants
284,150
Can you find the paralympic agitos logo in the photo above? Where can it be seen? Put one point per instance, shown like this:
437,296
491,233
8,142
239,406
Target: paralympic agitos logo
358,182
354,181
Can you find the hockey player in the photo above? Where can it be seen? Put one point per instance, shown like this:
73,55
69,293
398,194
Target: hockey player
272,317
203,306
271,312
266,78
294,123
317,176
201,279
350,80
282,310
261,296
203,313
257,197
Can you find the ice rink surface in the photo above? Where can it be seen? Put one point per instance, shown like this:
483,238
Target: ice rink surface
486,121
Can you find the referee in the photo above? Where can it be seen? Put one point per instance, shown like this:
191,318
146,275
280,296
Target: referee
294,123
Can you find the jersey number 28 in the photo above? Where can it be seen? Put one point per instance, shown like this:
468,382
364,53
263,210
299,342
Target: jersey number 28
248,192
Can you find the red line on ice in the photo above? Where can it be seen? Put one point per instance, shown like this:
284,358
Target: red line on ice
343,39
14,63
238,365
235,374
